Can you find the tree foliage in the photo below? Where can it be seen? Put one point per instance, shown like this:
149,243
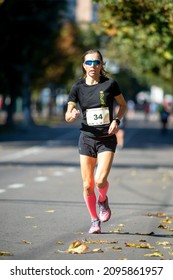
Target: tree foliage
39,47
28,30
139,35
69,46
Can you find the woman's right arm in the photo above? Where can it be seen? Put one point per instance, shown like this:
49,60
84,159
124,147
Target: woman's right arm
72,113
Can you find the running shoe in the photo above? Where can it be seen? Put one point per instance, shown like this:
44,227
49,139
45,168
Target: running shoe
105,211
95,227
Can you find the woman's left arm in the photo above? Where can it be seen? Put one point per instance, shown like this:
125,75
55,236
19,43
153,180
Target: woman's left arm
122,106
113,128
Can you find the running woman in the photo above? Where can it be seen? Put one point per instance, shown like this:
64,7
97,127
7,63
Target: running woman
95,93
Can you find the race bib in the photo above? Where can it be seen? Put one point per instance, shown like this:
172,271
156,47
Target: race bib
97,116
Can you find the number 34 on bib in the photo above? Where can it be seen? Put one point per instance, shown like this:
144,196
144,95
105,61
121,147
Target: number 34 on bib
97,116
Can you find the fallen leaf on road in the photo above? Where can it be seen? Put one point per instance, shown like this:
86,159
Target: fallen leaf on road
144,246
116,230
59,243
116,248
3,253
50,211
164,243
74,244
140,245
167,220
155,254
77,247
163,226
159,214
29,217
99,241
130,244
97,250
26,241
78,250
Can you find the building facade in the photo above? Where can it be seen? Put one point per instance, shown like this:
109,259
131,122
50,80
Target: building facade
82,11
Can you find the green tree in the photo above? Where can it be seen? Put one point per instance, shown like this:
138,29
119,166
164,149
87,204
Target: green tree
70,45
139,35
28,30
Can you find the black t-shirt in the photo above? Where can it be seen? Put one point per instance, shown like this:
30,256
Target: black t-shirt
101,95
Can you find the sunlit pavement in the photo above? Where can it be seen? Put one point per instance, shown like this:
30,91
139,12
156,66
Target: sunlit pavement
41,203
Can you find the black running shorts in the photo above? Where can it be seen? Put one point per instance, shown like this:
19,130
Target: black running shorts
92,146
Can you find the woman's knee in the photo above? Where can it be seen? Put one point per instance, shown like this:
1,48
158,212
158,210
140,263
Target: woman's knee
100,183
88,189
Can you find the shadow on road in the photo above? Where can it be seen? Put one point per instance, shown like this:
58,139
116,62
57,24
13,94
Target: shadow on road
148,137
67,135
135,137
79,203
75,164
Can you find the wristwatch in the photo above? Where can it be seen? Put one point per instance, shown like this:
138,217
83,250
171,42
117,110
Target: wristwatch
117,121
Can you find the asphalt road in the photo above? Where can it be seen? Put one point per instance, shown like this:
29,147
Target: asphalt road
41,204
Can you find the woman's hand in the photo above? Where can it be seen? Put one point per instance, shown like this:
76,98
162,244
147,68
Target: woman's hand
113,128
72,115
75,113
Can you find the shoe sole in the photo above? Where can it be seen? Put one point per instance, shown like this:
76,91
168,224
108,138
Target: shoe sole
95,232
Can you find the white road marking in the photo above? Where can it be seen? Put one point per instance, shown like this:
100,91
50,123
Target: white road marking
15,186
26,152
71,169
58,173
41,179
2,190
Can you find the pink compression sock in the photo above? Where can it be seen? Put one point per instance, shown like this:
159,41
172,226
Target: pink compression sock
90,201
103,192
